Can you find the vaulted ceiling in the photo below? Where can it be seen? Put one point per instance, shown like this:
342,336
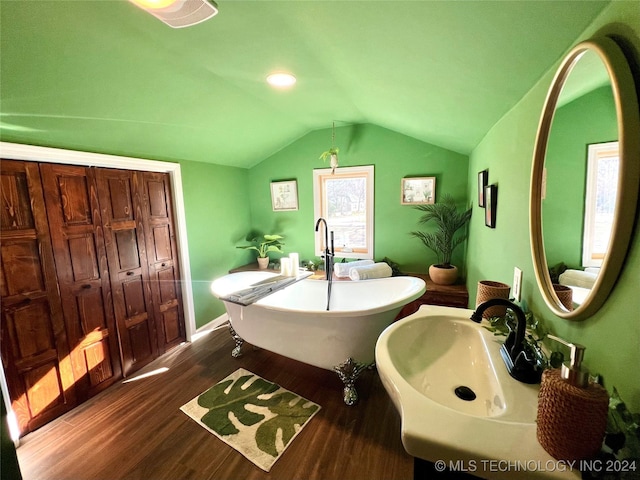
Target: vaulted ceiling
106,76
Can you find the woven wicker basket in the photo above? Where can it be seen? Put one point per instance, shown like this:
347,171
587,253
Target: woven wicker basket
565,295
487,290
571,420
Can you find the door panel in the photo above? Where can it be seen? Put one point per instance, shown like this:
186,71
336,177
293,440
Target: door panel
126,251
91,309
127,254
35,335
76,232
162,258
36,361
83,256
162,241
89,280
35,352
43,387
23,268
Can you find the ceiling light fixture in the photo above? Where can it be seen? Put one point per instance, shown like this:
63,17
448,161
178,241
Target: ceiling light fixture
154,4
179,13
281,80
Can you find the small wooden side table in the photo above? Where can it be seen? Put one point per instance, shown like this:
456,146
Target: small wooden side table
444,295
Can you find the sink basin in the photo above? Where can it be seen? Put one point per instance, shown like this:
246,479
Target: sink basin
447,361
458,403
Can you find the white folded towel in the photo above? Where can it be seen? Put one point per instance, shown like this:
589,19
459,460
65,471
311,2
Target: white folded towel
578,278
342,269
366,272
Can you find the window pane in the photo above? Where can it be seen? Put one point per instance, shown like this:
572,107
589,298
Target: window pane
605,205
600,201
345,200
346,213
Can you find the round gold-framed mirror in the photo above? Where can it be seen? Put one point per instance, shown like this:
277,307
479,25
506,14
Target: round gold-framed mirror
585,179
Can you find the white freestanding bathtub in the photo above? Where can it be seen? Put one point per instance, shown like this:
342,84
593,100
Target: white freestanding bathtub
294,322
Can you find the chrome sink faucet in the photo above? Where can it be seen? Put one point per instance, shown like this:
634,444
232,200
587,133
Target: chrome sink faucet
520,364
328,256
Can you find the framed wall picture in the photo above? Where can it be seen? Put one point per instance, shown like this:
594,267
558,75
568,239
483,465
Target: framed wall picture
284,195
418,190
483,179
491,205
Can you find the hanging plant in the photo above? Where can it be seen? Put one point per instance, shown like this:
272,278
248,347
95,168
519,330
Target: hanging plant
332,153
329,153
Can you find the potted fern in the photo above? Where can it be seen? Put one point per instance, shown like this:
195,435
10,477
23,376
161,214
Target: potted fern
448,220
263,244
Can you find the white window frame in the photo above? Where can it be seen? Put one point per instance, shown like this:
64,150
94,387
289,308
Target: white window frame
596,152
319,203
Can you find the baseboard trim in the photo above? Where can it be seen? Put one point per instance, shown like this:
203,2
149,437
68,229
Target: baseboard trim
210,326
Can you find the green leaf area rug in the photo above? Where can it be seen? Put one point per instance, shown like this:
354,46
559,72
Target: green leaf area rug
256,417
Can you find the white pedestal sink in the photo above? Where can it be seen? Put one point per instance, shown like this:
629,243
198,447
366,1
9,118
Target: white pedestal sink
422,360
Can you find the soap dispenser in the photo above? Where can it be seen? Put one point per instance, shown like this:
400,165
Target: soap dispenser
572,412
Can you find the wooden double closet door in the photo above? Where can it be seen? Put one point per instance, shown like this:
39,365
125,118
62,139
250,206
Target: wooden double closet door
89,282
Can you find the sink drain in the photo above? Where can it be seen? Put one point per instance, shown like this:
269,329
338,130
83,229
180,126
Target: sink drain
465,393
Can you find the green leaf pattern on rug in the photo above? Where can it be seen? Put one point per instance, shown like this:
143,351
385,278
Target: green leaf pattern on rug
288,416
220,404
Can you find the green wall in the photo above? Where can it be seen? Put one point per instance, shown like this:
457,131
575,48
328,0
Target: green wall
612,335
394,156
588,119
216,200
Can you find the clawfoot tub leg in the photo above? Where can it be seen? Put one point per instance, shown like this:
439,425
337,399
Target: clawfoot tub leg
235,353
348,371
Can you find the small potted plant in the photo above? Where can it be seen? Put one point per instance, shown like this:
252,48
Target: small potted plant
443,240
263,244
332,155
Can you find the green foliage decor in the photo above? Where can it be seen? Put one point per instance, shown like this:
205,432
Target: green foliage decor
621,445
448,220
263,243
328,153
220,403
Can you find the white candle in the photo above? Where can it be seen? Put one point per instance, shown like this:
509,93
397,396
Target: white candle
295,263
285,266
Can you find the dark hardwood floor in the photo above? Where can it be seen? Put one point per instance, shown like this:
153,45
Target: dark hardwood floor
136,431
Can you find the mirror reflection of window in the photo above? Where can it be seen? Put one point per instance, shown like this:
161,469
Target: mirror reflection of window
600,201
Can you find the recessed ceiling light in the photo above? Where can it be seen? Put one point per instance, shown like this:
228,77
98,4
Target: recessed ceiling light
281,80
